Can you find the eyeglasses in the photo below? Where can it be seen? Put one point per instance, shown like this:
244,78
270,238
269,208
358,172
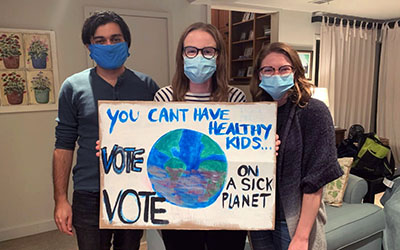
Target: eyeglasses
206,52
270,71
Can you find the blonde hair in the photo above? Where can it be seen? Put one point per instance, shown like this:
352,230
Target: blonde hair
219,81
300,93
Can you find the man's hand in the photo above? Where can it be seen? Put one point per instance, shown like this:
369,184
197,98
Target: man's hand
62,162
63,217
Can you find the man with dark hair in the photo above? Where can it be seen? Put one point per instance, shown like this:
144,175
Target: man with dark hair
101,18
107,37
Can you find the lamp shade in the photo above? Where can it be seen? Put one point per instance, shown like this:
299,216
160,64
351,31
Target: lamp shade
321,94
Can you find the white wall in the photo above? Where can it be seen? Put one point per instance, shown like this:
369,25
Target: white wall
296,29
27,139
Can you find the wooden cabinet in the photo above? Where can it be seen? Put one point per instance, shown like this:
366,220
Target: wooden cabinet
339,133
220,19
244,34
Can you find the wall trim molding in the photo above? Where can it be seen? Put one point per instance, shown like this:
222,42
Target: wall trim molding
25,230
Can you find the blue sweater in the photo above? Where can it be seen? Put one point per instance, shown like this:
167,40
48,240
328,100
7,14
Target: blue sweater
78,118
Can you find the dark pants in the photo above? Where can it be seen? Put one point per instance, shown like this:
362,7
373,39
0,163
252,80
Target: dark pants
278,239
199,239
85,219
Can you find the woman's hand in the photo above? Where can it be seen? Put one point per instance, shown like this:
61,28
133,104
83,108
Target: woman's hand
309,211
277,143
298,244
98,148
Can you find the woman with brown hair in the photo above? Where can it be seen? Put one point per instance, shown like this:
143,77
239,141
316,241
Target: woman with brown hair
307,157
201,75
201,69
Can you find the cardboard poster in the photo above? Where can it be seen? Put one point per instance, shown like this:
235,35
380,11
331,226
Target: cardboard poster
183,165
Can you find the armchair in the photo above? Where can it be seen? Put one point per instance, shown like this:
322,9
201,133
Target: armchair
355,225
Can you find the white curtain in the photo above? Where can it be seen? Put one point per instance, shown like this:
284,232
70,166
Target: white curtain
347,59
388,113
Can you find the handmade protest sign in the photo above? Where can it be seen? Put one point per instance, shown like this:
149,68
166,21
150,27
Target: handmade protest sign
182,165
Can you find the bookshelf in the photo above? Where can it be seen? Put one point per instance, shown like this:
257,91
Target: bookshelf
248,32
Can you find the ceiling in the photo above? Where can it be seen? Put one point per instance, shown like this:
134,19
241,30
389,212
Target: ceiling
372,9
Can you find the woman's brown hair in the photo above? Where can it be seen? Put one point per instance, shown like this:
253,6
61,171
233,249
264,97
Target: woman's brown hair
219,81
300,93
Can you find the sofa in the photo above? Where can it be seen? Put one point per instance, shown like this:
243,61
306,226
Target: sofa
355,225
391,201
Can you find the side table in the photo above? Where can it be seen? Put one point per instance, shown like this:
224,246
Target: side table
339,133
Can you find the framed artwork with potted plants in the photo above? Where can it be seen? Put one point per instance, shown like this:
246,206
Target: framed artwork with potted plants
28,70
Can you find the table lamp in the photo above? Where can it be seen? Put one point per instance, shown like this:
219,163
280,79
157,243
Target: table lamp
321,94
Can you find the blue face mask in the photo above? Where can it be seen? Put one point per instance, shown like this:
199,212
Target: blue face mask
199,69
109,56
276,85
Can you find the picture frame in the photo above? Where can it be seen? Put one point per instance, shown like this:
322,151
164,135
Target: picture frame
249,71
242,36
266,30
248,52
251,35
306,58
29,72
241,72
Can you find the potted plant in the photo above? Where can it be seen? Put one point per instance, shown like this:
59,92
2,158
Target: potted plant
38,51
14,87
10,50
41,87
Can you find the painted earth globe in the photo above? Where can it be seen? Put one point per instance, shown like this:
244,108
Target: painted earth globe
187,168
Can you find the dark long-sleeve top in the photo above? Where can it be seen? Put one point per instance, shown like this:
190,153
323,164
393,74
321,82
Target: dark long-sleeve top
78,118
307,161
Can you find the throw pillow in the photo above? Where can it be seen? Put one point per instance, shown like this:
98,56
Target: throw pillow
334,191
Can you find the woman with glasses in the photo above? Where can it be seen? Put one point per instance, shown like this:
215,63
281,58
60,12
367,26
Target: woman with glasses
307,157
201,69
201,75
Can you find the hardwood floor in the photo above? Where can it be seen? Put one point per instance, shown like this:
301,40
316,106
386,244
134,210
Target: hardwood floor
52,240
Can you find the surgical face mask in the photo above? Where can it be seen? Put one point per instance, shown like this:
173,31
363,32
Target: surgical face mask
199,69
109,56
276,85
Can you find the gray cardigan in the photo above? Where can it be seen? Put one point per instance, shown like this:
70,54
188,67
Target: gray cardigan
307,161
